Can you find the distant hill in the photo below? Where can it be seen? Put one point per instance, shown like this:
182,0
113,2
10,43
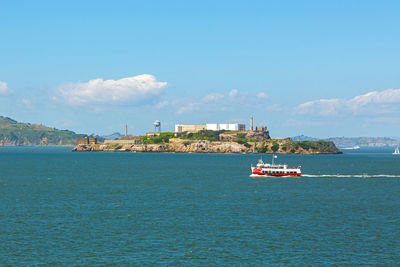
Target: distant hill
363,141
112,136
354,141
301,138
13,133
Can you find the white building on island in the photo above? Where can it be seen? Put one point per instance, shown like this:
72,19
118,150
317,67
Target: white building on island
179,128
225,126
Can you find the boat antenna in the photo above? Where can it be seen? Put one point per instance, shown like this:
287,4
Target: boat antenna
274,157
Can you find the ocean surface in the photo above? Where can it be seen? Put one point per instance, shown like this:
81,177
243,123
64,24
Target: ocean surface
59,208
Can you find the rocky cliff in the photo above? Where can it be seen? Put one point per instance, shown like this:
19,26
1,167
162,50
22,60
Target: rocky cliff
284,146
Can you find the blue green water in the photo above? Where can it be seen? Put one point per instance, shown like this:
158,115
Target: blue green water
68,208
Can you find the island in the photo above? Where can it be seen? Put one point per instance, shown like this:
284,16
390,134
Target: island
208,141
185,139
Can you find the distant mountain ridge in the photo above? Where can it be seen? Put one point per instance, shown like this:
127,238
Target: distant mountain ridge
112,136
13,133
301,138
342,142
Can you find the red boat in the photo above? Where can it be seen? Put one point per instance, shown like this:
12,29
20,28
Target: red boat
265,169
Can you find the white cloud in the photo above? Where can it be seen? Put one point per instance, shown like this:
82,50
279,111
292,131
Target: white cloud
262,95
233,93
188,108
384,97
275,108
322,107
217,102
131,90
186,105
4,89
386,101
162,104
213,97
210,101
293,122
26,102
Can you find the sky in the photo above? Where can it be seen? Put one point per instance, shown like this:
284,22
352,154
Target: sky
318,68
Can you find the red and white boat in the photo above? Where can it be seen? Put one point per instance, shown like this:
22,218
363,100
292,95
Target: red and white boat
266,170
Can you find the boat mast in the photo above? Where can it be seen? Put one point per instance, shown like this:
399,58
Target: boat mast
274,157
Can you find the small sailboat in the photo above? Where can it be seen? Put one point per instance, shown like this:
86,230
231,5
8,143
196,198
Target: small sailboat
396,151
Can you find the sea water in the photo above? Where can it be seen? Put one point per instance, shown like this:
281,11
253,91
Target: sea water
59,207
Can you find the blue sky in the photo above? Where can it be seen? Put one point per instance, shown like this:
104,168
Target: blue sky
319,68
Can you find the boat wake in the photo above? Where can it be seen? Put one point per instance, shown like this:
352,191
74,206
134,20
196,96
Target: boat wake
351,175
331,176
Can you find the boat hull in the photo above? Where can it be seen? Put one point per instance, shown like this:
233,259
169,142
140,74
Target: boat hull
267,172
274,175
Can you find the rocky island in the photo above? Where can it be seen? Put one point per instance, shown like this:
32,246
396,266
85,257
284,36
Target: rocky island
206,141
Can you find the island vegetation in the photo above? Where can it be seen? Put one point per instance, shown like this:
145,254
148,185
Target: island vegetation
13,133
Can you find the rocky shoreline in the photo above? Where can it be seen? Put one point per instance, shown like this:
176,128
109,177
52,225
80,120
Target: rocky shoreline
177,145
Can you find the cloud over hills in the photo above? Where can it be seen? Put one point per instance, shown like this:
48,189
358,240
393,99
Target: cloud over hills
371,103
130,90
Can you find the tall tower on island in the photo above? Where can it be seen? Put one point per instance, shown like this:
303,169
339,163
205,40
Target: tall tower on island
126,129
157,126
251,123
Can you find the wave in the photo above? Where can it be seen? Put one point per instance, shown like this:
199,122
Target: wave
352,175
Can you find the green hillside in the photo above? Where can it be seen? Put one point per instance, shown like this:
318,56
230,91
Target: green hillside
16,133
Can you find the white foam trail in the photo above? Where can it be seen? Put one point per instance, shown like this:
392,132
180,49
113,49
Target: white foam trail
352,175
331,176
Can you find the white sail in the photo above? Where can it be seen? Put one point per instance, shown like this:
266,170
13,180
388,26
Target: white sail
396,151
